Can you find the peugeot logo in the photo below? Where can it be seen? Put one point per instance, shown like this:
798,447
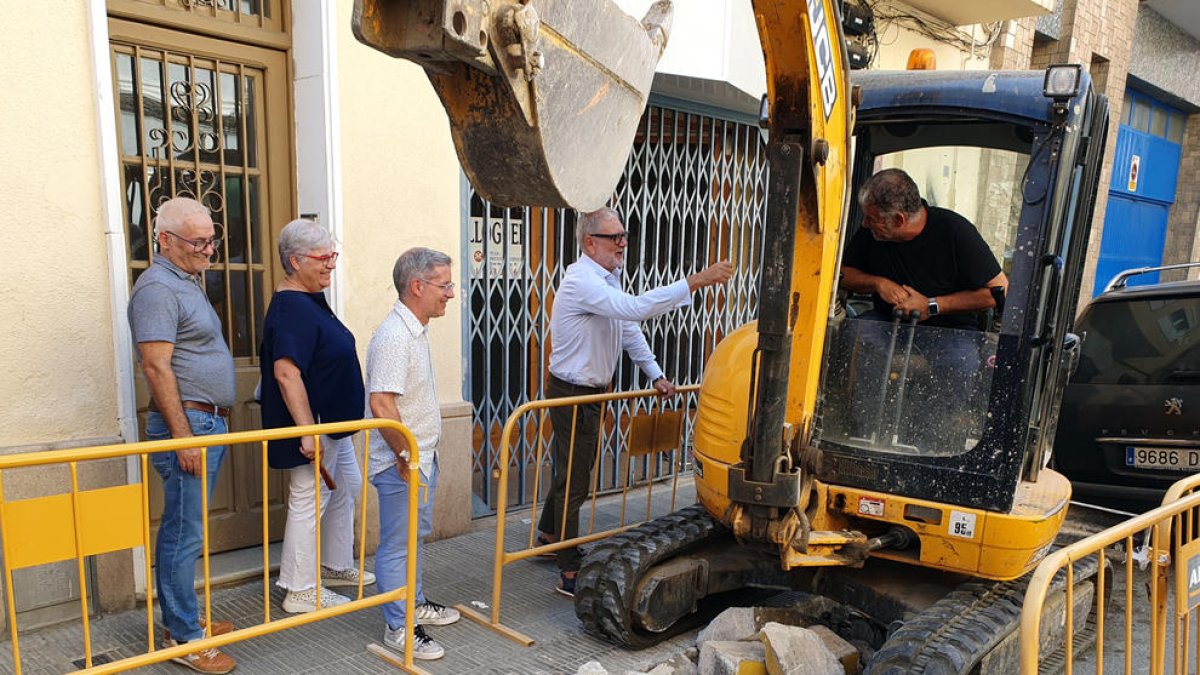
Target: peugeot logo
1174,406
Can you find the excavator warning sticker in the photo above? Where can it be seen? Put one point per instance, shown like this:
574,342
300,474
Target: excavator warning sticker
869,506
962,524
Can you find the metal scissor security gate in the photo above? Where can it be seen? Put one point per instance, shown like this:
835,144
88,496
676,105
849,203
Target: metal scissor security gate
693,192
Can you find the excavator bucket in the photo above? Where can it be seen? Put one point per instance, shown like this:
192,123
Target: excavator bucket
544,96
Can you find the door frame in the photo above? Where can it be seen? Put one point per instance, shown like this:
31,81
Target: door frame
317,166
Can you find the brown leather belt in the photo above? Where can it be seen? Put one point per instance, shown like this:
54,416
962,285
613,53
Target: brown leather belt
218,410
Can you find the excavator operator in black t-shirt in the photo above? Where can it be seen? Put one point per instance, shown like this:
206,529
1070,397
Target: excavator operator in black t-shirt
913,256
931,267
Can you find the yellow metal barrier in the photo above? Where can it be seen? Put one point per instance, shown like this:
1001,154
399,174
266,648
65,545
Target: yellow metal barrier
657,432
1173,527
84,523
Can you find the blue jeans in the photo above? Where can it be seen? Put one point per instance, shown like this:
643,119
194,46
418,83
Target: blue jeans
180,532
391,558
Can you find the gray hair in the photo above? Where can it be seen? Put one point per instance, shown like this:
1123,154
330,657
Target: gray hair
891,191
416,263
173,213
298,238
589,223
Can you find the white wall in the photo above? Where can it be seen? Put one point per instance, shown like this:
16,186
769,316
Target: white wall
400,187
711,40
57,374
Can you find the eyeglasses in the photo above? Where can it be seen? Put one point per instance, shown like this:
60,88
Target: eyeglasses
328,260
616,238
198,245
446,288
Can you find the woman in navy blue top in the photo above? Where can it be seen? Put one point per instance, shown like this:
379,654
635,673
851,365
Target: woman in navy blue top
311,375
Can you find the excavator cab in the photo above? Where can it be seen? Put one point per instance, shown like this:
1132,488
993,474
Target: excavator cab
961,415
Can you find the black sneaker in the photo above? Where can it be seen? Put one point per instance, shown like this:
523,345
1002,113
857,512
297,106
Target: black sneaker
565,585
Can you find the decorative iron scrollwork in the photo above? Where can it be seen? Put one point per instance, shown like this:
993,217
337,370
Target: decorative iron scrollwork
227,5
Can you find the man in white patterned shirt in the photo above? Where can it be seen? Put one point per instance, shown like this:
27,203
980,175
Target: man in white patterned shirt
592,321
401,386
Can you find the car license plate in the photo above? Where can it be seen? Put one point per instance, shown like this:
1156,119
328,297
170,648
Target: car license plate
1170,459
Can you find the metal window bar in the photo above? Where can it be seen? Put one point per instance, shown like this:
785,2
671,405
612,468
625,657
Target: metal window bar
176,167
693,192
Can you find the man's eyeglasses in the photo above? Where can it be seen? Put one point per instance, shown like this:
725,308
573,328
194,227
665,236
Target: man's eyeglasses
615,238
198,245
328,260
446,288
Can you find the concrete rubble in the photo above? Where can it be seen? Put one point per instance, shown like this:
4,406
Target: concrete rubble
754,641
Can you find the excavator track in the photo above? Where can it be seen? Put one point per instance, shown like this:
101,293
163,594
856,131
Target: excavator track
608,579
955,635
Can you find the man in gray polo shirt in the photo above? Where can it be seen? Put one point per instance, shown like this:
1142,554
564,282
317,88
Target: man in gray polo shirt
190,372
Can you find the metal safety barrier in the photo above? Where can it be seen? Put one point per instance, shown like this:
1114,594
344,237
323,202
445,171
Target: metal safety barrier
84,523
1171,533
654,432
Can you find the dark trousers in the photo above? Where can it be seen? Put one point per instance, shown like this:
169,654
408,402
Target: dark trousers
575,488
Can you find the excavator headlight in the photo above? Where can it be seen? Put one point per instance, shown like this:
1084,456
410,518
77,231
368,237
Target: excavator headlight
1062,81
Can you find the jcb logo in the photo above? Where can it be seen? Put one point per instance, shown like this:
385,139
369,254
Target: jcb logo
823,51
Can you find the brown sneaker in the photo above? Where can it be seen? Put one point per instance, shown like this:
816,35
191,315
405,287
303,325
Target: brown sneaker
210,660
219,627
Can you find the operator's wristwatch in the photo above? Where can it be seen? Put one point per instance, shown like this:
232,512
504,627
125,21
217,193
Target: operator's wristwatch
655,380
933,307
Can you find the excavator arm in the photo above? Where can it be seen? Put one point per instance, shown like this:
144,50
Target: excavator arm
809,116
544,98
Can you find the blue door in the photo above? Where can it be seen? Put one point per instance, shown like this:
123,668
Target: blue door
1145,170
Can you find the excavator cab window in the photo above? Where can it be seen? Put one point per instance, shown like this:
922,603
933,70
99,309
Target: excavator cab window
910,387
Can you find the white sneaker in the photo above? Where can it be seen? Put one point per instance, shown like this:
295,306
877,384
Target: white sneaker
300,602
334,578
430,613
424,648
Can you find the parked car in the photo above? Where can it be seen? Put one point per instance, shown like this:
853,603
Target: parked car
1130,420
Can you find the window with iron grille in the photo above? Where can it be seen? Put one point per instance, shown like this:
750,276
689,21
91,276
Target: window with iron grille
693,192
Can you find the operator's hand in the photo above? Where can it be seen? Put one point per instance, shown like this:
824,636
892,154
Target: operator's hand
308,446
914,302
891,292
664,387
189,460
716,273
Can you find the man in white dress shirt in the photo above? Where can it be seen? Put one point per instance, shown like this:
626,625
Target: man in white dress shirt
591,322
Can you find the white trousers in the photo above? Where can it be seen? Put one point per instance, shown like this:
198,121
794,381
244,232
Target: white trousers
298,562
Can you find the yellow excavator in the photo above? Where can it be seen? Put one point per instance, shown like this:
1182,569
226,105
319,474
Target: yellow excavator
828,457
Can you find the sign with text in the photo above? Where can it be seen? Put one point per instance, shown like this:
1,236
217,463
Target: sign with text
1135,165
1187,577
496,247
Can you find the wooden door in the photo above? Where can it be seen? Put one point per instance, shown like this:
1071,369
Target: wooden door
209,118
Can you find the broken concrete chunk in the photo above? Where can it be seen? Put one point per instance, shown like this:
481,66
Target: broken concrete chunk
788,616
843,651
592,668
735,623
792,650
732,658
679,664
